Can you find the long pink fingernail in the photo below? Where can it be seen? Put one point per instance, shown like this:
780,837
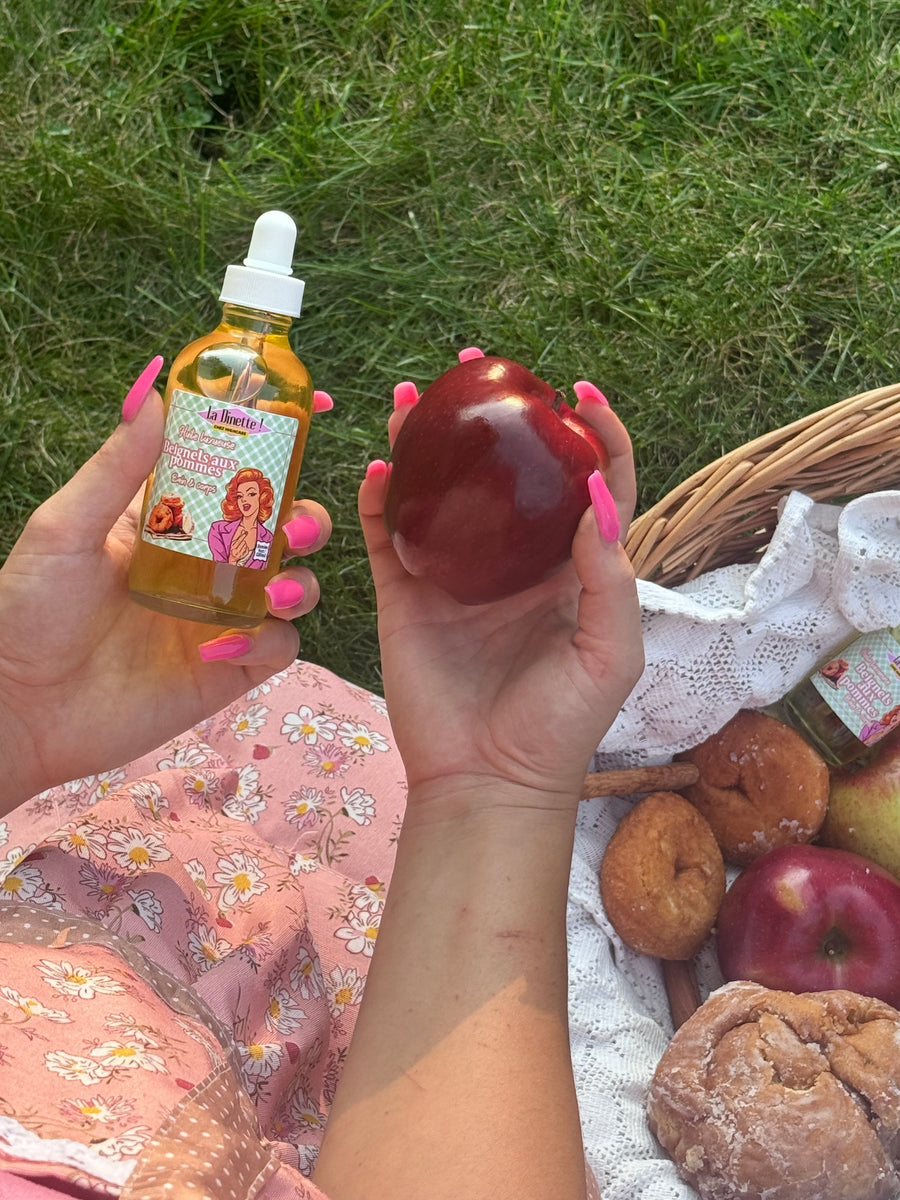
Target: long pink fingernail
140,389
377,469
284,593
604,507
322,402
301,532
585,390
232,645
470,352
405,394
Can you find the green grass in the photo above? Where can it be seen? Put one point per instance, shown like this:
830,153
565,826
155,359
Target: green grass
694,205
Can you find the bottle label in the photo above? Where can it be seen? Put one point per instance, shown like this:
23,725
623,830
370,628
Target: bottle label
861,685
219,481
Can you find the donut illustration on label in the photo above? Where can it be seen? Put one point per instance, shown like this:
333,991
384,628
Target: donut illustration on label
169,519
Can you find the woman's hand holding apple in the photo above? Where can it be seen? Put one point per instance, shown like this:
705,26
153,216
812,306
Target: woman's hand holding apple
523,688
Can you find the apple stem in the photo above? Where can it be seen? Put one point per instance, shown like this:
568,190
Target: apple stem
558,399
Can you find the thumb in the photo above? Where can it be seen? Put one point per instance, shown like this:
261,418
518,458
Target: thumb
97,494
385,565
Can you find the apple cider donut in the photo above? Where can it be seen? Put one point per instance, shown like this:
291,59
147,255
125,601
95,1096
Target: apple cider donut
761,785
783,1095
161,518
662,878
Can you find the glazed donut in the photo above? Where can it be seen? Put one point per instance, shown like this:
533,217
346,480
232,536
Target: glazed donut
662,878
783,1095
761,785
161,518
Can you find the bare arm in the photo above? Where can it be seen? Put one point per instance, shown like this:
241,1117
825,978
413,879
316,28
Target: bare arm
458,1083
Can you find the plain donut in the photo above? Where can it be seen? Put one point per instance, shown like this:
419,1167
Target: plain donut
662,878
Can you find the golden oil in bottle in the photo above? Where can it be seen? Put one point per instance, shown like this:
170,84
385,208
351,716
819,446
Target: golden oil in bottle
238,405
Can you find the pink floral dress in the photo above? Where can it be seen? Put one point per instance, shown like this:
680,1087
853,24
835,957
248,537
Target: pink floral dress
183,947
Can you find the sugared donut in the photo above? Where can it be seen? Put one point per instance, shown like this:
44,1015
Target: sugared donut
761,785
662,878
783,1095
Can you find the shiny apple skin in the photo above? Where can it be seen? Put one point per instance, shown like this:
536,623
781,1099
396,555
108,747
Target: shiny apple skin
809,918
488,482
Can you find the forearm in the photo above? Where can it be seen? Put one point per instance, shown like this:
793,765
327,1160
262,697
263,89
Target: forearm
458,1081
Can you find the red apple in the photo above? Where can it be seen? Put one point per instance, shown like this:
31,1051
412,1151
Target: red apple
808,919
489,481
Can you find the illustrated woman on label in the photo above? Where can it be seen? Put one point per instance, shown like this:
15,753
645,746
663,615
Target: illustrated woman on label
248,502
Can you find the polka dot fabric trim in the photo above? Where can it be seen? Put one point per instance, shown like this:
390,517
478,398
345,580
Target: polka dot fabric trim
206,1150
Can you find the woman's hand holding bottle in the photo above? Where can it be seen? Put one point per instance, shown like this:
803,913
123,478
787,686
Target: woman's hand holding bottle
88,678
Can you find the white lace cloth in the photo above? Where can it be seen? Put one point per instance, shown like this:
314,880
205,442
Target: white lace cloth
738,637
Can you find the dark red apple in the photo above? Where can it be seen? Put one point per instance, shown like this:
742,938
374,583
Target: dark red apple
809,918
489,480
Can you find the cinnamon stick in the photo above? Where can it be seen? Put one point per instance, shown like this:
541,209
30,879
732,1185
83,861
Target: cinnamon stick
682,989
667,777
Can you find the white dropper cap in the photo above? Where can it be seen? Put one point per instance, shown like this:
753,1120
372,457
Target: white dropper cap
264,281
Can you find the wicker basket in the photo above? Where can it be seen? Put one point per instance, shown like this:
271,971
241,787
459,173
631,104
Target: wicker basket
726,512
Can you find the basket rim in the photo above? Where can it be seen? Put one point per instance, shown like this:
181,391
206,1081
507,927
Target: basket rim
834,451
